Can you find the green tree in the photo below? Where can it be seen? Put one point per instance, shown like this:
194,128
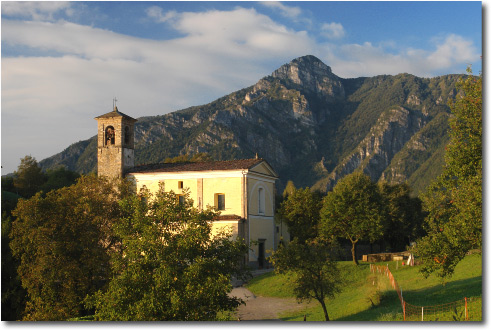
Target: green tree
62,242
58,178
169,265
454,200
29,177
301,213
353,211
315,274
404,215
8,184
13,295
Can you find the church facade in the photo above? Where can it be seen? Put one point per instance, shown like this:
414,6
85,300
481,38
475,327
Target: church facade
242,190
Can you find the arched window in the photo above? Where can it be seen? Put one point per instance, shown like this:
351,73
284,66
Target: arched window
126,135
260,201
110,135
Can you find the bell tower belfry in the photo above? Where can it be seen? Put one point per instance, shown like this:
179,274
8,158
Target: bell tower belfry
115,143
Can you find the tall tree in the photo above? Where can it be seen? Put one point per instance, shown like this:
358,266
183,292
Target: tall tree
62,242
301,213
29,177
169,266
404,215
353,211
454,200
316,275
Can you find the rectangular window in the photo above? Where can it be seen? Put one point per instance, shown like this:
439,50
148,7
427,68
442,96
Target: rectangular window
181,199
180,184
220,201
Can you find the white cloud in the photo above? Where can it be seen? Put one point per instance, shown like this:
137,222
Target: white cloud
36,10
455,49
355,60
332,30
286,11
156,13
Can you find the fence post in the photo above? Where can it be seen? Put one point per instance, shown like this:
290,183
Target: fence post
404,310
466,311
422,313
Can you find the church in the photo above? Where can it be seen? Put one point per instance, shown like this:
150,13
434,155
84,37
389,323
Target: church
242,190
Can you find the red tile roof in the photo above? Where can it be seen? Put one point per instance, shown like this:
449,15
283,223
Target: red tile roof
240,164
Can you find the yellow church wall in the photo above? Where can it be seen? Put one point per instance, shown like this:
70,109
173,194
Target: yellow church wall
227,226
203,188
261,228
152,184
230,187
268,199
187,184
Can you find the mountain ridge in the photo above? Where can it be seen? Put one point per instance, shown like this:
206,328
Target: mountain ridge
307,122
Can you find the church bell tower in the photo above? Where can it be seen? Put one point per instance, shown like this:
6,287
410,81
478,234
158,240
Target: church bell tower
115,143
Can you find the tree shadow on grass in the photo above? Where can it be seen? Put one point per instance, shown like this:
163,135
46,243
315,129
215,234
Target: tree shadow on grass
435,295
442,294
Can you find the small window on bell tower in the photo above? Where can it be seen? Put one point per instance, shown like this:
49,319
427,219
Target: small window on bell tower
110,136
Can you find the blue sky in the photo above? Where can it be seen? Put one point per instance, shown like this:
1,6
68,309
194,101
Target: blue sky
63,62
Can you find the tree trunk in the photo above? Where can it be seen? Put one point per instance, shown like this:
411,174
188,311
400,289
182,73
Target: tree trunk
325,310
353,252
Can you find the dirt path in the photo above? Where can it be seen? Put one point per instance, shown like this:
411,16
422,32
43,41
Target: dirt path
267,308
264,308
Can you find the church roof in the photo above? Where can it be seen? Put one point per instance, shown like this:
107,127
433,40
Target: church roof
115,113
240,164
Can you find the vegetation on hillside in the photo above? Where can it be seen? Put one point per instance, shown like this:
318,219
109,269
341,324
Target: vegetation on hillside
368,297
356,210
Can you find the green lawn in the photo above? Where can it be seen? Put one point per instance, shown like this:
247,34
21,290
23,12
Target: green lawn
367,297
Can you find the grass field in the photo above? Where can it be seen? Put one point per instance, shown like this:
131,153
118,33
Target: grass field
368,297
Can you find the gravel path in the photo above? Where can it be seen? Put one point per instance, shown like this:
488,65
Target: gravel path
263,308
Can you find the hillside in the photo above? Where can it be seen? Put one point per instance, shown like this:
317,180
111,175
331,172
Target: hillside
312,126
361,300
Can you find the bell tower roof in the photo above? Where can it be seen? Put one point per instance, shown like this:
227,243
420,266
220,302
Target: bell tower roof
115,113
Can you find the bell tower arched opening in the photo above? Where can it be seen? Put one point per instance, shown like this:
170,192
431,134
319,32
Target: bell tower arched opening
110,136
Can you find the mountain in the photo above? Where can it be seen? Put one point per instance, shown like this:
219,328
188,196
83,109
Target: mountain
312,126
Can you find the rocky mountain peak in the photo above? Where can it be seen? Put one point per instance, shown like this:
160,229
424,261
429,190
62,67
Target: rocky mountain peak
313,75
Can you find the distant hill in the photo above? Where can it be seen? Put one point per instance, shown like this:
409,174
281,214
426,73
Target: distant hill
312,126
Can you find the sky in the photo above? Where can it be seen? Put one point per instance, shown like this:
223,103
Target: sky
63,63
